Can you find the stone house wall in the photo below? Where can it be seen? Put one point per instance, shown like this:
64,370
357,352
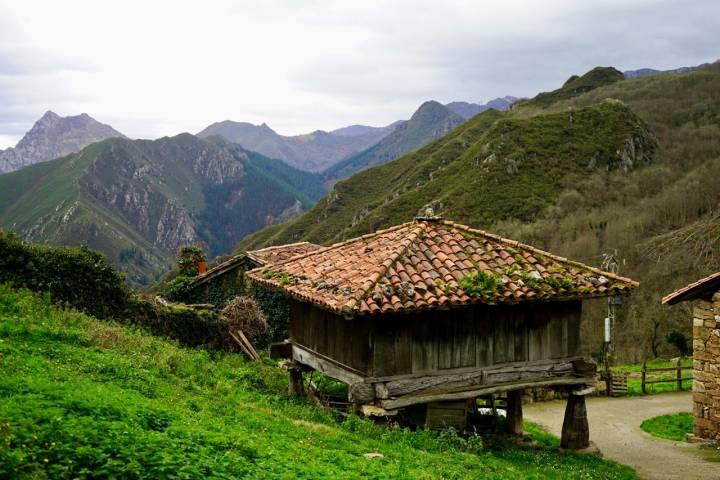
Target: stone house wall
706,368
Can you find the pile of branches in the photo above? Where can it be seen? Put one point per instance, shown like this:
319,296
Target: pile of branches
243,313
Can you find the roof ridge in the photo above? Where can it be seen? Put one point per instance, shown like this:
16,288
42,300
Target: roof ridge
273,247
252,254
336,245
413,236
222,264
680,291
524,246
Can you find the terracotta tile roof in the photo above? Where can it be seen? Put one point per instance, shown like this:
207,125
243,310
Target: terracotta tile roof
280,253
422,265
260,257
709,284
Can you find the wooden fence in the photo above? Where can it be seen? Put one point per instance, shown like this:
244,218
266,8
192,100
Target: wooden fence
678,378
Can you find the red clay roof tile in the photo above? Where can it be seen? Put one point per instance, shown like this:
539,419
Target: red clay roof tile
260,257
704,286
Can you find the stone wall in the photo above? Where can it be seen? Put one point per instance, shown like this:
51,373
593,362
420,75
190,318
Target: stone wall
706,368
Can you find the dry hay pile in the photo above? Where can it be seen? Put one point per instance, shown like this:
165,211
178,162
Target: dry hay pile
243,313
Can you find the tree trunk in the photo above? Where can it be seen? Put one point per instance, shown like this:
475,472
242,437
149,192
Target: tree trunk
575,429
655,341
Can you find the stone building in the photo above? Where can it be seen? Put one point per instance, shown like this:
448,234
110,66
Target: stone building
706,352
226,280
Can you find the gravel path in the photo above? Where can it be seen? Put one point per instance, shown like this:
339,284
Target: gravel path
615,429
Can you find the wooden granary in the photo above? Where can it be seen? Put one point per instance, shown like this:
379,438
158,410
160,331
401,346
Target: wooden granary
432,314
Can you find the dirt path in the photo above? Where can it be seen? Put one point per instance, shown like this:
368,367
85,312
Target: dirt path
615,429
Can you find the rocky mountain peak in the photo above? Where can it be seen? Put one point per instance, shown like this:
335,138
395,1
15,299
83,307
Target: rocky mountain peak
49,116
53,136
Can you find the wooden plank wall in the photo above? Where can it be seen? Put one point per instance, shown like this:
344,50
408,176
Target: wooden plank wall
474,337
442,340
345,341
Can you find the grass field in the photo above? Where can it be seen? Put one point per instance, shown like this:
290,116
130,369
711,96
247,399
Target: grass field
671,427
81,398
635,379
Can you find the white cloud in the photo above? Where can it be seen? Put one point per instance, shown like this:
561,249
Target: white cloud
153,68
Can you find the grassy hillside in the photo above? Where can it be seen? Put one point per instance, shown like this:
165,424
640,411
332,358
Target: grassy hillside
657,207
491,168
138,201
575,85
89,399
432,120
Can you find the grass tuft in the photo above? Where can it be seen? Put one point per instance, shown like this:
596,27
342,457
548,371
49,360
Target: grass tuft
671,427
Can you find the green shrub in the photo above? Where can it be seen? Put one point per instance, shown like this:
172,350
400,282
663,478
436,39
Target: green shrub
678,339
77,276
276,308
190,327
85,281
177,289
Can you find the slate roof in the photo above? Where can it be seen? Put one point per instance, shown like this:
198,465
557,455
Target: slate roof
421,265
258,258
704,287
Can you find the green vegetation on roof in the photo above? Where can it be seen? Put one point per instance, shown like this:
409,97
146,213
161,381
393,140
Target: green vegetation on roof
482,284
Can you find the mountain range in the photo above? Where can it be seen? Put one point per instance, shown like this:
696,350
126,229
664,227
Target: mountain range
54,136
138,201
312,152
640,72
468,110
432,120
343,151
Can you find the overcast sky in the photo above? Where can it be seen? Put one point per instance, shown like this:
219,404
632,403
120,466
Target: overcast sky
152,68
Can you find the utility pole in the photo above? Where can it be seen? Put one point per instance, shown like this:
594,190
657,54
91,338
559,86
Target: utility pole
609,264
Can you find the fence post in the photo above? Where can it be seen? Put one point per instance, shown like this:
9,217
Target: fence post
679,373
643,377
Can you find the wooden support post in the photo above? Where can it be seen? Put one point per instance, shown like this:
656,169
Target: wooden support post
644,373
679,373
607,373
295,387
575,429
514,412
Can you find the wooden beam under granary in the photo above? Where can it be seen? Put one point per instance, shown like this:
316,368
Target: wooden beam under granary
430,314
